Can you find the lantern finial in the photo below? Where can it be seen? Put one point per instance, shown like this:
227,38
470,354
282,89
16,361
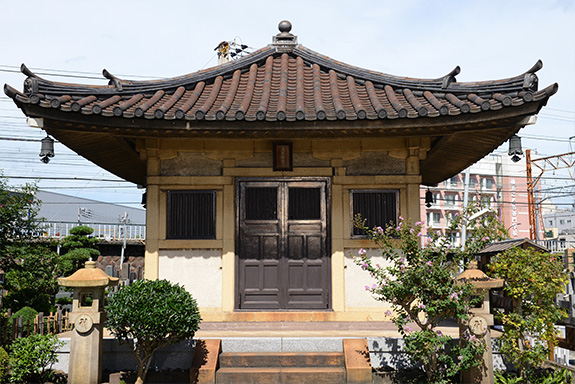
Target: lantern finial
515,150
47,150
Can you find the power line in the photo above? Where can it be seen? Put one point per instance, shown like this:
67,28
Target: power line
546,138
67,73
556,118
559,110
65,178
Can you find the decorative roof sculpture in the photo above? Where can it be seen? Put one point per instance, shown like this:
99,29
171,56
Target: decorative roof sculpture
286,90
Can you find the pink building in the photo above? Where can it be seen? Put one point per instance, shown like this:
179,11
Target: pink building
497,181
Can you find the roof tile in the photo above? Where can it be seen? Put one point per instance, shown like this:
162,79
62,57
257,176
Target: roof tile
288,84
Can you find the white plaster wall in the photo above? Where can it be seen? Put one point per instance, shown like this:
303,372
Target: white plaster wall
356,279
198,270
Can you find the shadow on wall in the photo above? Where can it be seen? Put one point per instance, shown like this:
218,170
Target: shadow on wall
386,354
116,357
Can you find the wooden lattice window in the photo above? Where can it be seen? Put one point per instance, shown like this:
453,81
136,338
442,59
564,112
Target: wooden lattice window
377,207
191,215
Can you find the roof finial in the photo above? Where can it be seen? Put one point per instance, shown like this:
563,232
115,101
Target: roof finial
284,40
284,26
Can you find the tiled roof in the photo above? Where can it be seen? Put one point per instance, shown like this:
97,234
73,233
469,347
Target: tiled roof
285,91
271,85
504,245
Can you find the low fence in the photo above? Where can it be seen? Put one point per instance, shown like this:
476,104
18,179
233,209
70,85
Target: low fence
106,231
53,323
555,246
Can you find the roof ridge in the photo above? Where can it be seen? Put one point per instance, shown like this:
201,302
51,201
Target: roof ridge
526,81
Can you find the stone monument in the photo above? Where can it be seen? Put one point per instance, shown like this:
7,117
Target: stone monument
88,318
478,322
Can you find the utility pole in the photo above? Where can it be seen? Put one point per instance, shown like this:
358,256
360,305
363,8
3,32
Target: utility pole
465,203
123,219
549,163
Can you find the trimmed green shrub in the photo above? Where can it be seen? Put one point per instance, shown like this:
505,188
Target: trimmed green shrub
28,315
32,357
150,314
80,246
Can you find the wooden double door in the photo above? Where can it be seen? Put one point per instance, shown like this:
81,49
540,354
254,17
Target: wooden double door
282,244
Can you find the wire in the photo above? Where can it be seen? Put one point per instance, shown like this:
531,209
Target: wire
67,73
65,178
556,118
95,188
560,110
546,138
87,202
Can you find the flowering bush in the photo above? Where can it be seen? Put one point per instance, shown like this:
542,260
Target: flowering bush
419,283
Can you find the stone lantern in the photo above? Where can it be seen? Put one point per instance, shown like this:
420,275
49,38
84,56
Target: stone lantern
479,321
88,318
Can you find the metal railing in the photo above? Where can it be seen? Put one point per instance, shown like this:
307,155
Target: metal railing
105,231
556,245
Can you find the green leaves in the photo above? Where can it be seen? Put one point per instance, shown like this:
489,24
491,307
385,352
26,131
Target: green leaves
32,280
81,247
18,222
533,280
149,314
31,355
419,282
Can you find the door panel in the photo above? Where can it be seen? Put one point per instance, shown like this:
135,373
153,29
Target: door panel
260,247
283,236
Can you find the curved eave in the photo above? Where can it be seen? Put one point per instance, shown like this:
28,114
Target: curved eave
113,153
110,143
367,127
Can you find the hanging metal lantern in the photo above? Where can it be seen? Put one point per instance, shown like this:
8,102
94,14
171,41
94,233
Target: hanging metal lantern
428,198
515,150
47,150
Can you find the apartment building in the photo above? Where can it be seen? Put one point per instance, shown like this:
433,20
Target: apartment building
496,181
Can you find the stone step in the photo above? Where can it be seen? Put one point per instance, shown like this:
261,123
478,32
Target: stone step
281,375
281,359
349,363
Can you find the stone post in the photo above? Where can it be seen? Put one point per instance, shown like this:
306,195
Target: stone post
88,318
478,322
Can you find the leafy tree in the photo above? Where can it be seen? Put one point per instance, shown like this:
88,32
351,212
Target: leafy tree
31,268
150,314
532,280
18,221
419,284
32,278
32,357
81,247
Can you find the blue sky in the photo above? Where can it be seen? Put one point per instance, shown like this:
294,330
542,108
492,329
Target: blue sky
417,38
